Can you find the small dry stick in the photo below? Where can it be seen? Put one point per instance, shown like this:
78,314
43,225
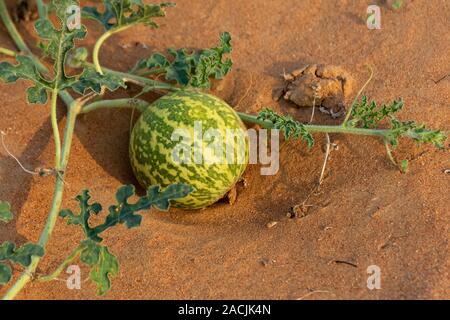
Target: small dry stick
312,292
325,161
42,172
390,155
313,109
246,92
3,134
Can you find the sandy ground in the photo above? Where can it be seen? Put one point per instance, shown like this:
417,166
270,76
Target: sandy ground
366,214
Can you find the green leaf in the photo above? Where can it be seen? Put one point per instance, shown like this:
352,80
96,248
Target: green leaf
90,253
83,218
103,266
5,212
366,114
123,212
57,40
91,79
22,256
286,124
193,69
120,13
419,133
25,69
5,274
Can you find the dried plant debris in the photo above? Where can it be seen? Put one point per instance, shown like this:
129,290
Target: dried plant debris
324,86
232,195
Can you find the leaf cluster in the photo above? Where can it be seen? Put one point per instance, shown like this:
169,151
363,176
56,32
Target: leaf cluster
57,40
190,69
103,264
367,114
291,128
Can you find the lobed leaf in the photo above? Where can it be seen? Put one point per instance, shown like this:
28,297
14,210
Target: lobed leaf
123,212
22,256
57,40
25,69
419,133
121,13
91,79
193,69
103,264
366,114
5,274
286,124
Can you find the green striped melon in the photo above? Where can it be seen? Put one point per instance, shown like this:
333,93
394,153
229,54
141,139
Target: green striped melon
179,138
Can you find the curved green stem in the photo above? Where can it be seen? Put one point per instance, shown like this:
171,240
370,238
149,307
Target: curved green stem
27,275
128,77
55,128
8,52
389,153
141,105
62,155
142,81
42,9
99,43
318,128
75,253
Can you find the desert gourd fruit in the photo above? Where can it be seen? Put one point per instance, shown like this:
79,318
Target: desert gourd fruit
193,138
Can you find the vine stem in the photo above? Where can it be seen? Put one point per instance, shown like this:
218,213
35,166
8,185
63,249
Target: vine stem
62,156
318,128
389,153
55,128
128,77
141,105
99,43
42,9
75,253
27,275
139,80
312,128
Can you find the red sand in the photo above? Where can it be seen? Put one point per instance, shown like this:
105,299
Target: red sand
367,213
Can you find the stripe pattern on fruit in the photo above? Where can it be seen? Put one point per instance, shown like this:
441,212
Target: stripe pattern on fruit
151,146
